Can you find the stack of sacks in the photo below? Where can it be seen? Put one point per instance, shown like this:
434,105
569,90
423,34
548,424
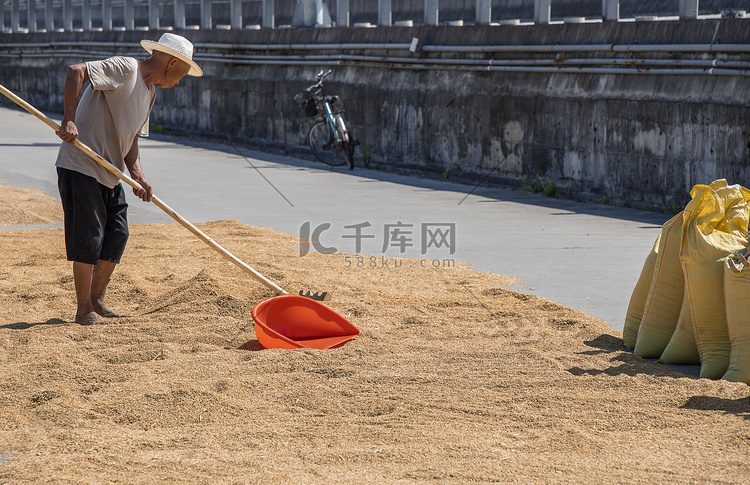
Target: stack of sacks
684,318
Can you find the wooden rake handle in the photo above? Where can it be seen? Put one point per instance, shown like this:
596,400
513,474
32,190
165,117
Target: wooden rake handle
171,212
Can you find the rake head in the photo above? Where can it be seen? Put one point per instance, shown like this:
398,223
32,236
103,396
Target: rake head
318,295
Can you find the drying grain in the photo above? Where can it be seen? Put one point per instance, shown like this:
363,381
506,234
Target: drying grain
454,378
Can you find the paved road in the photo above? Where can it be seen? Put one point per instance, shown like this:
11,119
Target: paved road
585,256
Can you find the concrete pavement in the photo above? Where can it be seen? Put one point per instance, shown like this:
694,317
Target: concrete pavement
585,256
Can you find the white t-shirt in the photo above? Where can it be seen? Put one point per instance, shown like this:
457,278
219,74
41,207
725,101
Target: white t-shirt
111,112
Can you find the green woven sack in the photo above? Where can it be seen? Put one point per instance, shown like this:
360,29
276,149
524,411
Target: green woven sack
681,349
662,308
638,298
705,285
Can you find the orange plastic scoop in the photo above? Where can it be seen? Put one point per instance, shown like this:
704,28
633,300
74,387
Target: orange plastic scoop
294,322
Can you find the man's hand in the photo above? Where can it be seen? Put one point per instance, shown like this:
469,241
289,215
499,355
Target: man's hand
68,131
74,80
133,162
146,192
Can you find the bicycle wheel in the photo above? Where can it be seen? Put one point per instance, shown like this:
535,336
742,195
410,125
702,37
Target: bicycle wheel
324,146
347,147
348,150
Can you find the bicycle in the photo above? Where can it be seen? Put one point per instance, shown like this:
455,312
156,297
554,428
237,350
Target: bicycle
328,137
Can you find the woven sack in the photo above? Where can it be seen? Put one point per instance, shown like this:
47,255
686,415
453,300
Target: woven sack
737,301
638,298
715,221
681,349
662,308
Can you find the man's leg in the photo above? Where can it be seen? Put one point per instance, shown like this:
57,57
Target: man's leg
102,274
91,285
82,276
113,245
96,232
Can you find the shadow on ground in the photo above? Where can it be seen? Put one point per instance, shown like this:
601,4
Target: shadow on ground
630,364
27,325
487,189
740,407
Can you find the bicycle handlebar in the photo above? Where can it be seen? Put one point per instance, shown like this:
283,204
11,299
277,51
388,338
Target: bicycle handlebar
322,76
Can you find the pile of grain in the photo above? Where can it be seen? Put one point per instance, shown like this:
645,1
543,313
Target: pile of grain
454,378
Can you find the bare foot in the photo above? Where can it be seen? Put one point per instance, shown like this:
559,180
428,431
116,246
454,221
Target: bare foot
90,318
105,311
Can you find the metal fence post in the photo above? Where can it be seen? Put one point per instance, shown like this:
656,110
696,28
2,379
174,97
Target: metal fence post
179,14
49,16
431,12
107,15
31,5
342,13
86,15
611,10
484,12
542,11
206,20
153,14
129,15
236,13
15,16
688,9
322,15
269,17
385,16
68,15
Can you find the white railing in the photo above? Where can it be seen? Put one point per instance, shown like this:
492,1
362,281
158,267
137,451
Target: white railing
13,11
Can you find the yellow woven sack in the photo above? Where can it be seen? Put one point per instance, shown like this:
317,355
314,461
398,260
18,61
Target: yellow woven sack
715,221
681,349
737,300
664,299
638,298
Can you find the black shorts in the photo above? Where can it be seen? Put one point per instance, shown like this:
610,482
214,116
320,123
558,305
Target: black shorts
96,218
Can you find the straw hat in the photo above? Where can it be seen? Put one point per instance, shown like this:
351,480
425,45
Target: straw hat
177,46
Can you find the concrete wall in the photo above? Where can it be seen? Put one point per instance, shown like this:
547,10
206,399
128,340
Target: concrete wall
639,140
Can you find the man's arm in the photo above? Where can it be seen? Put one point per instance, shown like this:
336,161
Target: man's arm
74,81
133,162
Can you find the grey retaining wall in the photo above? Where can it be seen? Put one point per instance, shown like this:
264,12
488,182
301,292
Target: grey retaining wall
632,139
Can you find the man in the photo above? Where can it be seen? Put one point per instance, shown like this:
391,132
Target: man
110,117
